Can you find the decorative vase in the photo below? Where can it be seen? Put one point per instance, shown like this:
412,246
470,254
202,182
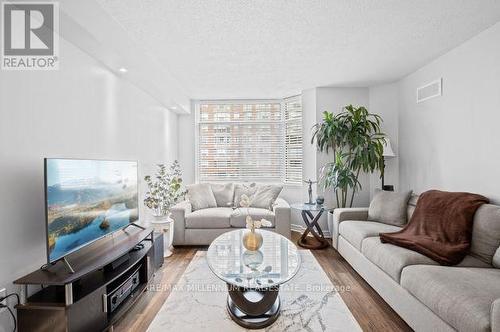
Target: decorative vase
252,240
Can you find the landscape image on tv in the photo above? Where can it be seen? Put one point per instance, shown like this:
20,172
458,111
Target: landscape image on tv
86,200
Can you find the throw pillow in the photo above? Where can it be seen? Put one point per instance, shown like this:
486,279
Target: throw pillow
200,196
496,259
240,189
486,233
224,194
389,207
265,196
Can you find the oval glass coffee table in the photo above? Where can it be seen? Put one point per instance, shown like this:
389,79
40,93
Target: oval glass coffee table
253,278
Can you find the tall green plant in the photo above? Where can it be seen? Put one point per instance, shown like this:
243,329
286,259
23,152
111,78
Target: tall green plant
355,138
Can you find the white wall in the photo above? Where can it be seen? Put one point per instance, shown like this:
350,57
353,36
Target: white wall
453,142
384,102
187,145
82,110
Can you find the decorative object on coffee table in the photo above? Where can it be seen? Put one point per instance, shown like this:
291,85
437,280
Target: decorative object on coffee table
253,279
252,240
388,153
310,190
317,241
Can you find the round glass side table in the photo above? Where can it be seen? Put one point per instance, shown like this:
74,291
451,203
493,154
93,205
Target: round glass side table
318,240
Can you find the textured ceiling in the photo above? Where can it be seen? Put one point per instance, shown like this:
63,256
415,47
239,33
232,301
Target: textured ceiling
267,49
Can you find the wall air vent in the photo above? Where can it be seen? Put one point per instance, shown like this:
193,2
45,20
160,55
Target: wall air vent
431,90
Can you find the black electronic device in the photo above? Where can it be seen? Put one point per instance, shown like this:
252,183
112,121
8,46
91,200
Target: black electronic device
122,292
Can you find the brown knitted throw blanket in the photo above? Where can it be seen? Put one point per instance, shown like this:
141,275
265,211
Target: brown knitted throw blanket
440,227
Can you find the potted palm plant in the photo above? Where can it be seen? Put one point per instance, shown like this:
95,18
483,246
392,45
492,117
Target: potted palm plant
356,141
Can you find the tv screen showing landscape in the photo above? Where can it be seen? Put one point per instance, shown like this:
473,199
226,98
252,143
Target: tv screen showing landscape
86,200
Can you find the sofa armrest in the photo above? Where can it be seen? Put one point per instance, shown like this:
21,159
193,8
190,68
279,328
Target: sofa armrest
179,212
495,316
281,210
342,214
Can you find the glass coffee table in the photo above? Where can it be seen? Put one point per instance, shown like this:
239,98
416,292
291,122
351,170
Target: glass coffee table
253,278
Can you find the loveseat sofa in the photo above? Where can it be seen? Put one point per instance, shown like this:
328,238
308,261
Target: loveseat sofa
428,296
197,224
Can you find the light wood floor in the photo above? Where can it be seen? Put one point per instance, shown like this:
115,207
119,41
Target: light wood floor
369,309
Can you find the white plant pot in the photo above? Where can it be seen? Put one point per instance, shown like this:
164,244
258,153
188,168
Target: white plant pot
165,225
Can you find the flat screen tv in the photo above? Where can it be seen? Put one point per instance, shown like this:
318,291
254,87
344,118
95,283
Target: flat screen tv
86,200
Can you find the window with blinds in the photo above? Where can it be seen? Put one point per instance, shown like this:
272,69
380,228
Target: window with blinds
244,142
292,112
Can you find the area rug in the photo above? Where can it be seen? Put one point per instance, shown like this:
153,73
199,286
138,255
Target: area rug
309,302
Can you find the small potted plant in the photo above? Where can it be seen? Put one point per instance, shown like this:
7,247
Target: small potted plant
164,190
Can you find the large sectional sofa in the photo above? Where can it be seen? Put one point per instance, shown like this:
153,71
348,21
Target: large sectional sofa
428,296
203,225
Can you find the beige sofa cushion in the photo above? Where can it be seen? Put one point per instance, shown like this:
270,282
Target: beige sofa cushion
460,296
486,232
389,207
265,196
218,217
238,216
223,193
200,196
355,231
390,258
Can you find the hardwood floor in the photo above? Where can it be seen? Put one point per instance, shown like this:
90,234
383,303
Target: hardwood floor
369,309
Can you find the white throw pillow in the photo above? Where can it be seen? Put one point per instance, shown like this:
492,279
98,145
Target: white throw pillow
201,196
265,196
389,207
240,189
224,194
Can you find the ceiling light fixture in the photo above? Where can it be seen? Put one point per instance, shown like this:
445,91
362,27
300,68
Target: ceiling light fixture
123,70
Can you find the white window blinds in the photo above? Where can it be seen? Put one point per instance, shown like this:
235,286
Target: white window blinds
292,110
247,141
240,142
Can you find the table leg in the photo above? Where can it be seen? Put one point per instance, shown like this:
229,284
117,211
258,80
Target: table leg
253,309
312,227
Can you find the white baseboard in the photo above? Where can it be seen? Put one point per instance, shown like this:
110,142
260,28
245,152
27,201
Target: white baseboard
302,228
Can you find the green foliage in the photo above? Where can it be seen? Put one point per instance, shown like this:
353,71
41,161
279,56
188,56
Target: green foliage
356,141
165,190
